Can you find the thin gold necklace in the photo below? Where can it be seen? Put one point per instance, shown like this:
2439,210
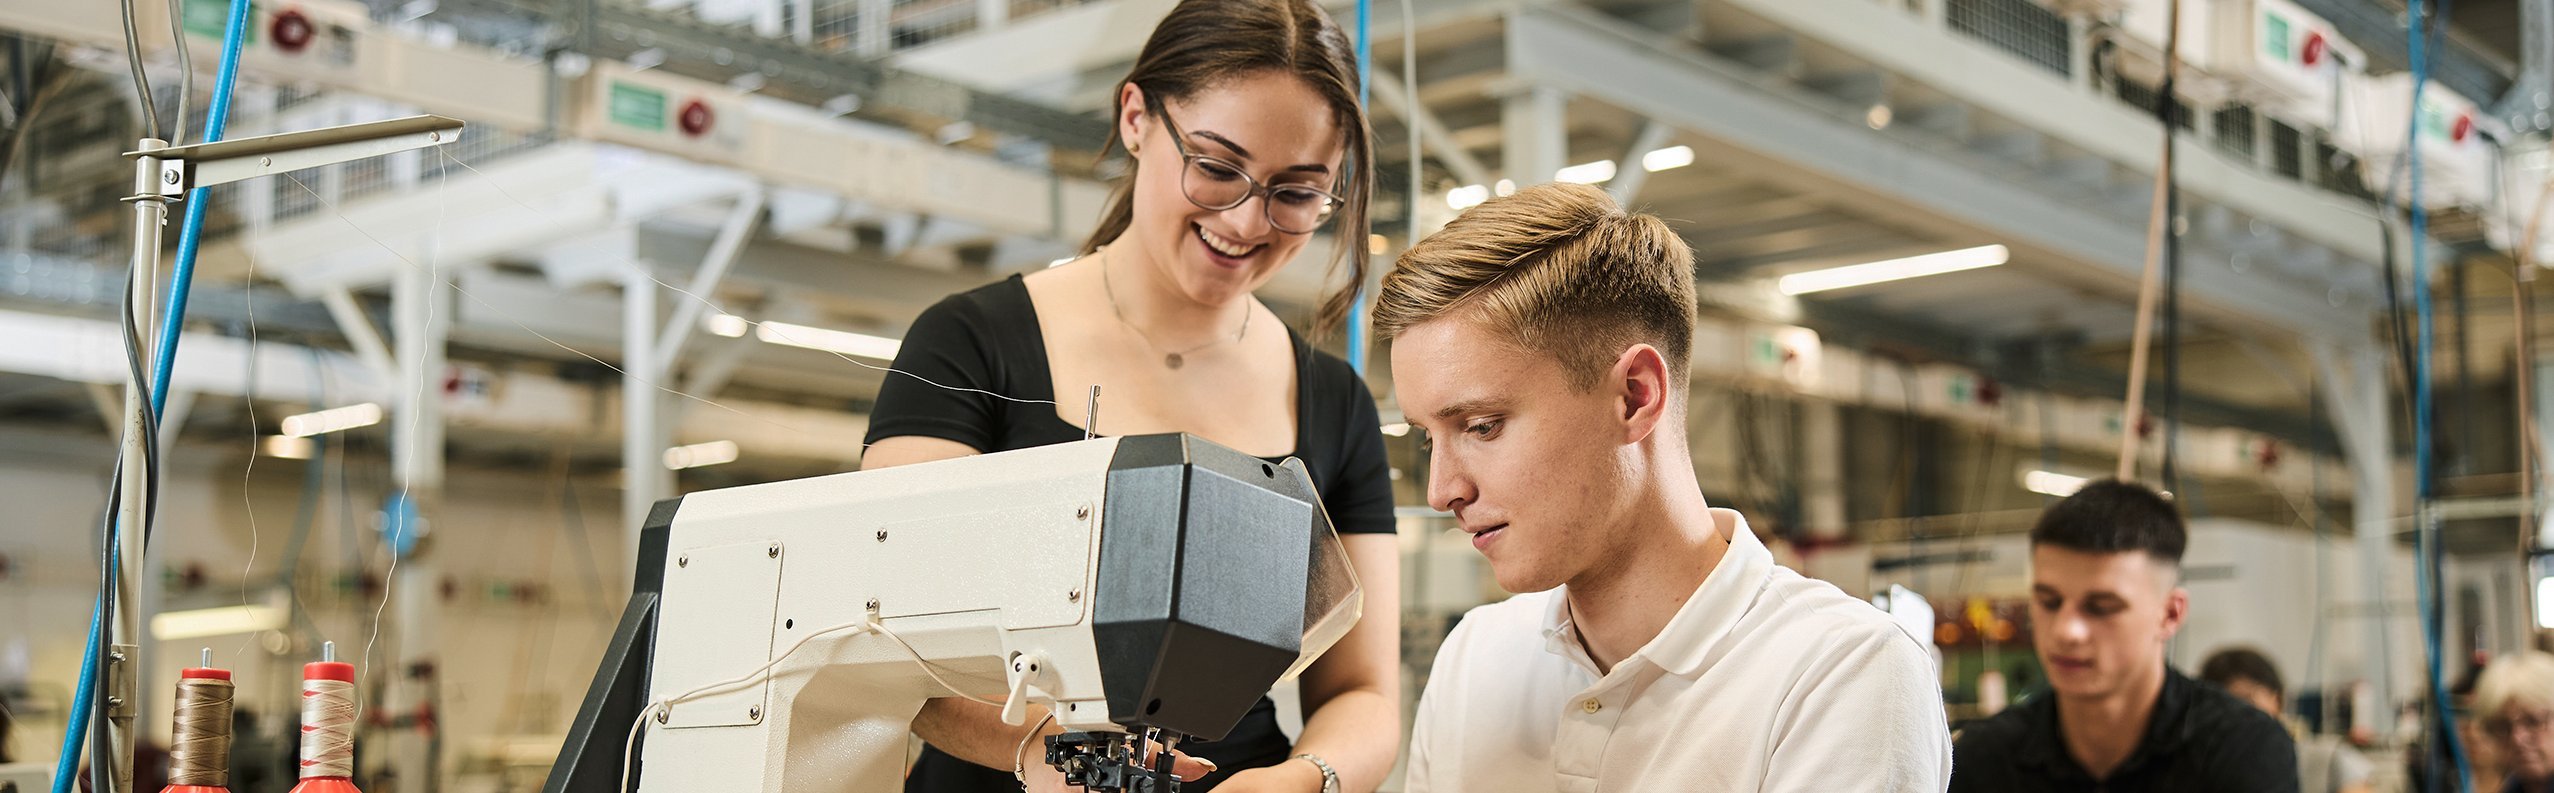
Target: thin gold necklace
1173,360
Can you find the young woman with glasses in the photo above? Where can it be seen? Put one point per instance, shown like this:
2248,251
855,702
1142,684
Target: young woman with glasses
1246,141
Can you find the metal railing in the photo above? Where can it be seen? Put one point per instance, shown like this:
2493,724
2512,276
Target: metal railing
2028,30
2038,35
845,25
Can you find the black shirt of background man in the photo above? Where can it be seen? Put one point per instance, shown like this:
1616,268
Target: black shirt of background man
2199,740
988,339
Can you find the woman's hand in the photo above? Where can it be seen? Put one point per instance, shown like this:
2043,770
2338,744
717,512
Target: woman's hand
1292,776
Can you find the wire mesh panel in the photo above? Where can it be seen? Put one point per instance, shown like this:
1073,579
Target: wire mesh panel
2338,171
363,177
2029,31
290,95
95,236
1026,8
2235,131
2286,155
919,22
222,213
835,25
481,145
2142,96
296,200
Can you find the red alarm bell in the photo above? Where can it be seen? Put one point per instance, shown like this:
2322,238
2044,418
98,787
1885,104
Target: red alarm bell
291,31
695,118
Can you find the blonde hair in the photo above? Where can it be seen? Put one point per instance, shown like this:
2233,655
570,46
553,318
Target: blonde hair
2525,678
1560,269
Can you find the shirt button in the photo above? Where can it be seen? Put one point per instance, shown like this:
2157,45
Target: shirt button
1591,706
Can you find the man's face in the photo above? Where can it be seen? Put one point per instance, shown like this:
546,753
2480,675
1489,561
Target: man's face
1538,472
2100,620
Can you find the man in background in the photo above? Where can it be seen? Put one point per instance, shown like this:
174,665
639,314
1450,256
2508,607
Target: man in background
2105,597
2325,764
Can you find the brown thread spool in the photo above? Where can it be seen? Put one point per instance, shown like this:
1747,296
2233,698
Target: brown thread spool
200,752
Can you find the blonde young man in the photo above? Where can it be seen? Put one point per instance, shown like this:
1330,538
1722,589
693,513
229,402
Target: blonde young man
1541,341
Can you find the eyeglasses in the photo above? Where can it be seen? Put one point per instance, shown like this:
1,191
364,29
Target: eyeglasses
1216,185
2517,721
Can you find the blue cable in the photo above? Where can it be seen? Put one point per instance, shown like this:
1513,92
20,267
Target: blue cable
2424,486
1365,77
190,235
216,118
67,765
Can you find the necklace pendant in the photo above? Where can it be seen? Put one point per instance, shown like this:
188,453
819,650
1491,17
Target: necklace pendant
1174,360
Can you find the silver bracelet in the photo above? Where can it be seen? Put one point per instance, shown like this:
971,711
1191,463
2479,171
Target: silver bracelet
1329,778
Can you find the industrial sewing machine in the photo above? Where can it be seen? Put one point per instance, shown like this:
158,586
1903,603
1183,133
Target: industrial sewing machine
1147,589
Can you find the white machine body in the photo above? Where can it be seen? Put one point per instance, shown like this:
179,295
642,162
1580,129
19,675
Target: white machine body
866,595
751,571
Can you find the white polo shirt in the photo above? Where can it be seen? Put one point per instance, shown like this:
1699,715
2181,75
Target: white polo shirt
1763,681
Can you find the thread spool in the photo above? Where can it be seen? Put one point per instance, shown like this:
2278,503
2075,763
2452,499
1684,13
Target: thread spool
328,727
200,749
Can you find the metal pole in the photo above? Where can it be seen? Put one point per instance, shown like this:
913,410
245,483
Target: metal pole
1393,97
642,450
2353,382
723,251
125,633
422,319
1822,450
1537,132
1630,173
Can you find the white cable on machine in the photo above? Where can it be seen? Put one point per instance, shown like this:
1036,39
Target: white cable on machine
869,624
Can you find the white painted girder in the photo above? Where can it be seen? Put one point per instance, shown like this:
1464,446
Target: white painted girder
1595,57
1907,46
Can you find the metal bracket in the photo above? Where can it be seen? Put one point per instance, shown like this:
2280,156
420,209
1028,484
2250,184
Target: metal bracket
123,687
184,168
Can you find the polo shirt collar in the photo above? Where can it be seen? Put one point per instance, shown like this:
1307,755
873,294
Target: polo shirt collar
2164,735
1693,637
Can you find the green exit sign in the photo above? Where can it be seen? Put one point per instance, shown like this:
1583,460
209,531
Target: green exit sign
2274,36
637,106
211,18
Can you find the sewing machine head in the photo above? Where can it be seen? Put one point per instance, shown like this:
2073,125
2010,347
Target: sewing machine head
1149,585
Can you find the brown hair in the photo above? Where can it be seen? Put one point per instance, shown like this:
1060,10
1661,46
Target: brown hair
1205,43
1559,268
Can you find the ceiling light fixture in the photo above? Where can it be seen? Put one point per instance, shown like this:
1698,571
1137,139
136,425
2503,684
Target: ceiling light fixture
835,341
332,420
1670,157
1893,270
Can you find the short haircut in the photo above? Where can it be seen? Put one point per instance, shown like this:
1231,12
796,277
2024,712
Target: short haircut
2226,666
2525,678
1558,268
2110,516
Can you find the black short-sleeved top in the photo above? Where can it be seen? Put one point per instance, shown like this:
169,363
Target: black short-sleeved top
2199,740
988,339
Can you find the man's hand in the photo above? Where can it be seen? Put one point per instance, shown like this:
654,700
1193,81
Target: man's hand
1292,776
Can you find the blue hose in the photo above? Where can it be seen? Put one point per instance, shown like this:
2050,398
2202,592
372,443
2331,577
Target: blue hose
190,235
67,765
2432,637
1365,77
216,119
